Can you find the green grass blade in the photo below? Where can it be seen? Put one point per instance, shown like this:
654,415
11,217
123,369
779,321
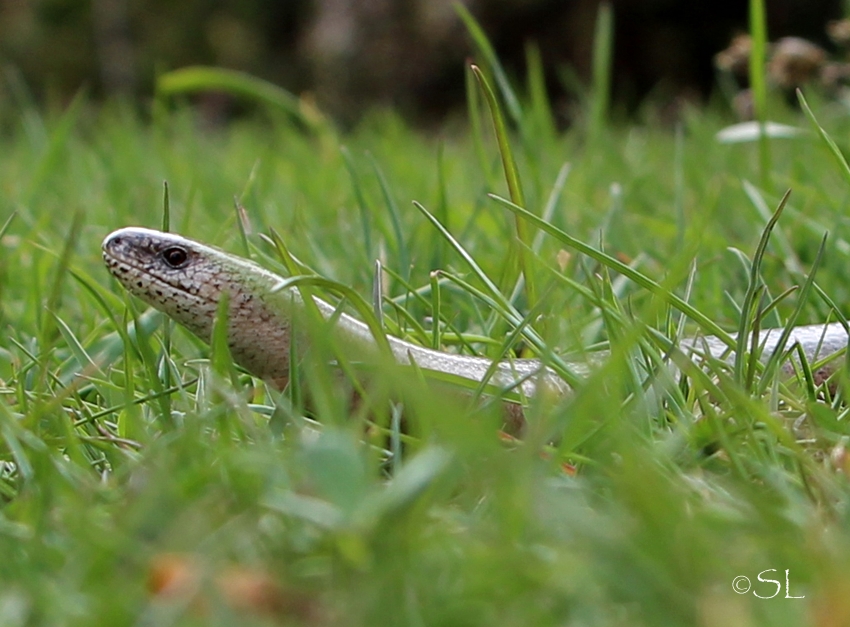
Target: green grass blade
221,360
200,78
441,207
493,64
473,106
363,308
548,212
363,206
541,106
7,223
143,336
378,292
843,166
304,282
750,300
514,185
603,52
54,297
84,360
419,297
436,312
789,255
492,289
758,81
559,365
395,218
615,264
501,131
51,161
169,324
774,360
166,208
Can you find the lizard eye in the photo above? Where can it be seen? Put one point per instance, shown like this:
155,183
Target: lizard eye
175,256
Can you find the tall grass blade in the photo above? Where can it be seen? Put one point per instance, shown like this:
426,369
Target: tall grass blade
603,50
758,82
304,282
753,287
541,106
436,341
51,160
395,218
168,324
54,297
493,64
363,206
221,361
775,358
514,186
441,208
502,307
473,106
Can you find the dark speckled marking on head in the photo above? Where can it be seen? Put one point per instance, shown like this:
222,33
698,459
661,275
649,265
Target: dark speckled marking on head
186,280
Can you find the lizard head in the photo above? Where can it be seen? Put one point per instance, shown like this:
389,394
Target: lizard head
186,280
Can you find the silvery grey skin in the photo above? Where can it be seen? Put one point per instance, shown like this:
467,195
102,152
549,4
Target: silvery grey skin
186,280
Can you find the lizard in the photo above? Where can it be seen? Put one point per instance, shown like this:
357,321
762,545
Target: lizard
186,280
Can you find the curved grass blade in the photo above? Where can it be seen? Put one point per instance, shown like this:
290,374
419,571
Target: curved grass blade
79,352
565,370
513,181
750,295
503,303
789,255
364,309
473,106
508,161
774,360
411,327
615,264
201,78
419,296
504,349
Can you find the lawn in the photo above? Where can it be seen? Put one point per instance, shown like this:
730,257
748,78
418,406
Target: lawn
146,481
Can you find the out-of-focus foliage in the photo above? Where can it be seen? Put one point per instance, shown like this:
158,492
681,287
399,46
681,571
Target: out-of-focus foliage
351,55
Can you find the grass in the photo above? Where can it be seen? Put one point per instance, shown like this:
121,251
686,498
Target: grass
637,500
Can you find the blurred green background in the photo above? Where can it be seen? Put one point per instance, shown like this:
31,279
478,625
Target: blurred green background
352,55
